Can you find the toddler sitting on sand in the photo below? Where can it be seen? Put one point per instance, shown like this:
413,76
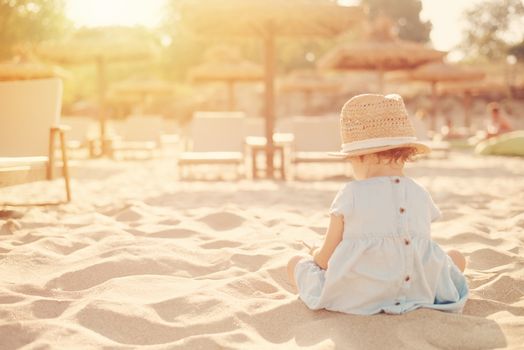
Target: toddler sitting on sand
377,255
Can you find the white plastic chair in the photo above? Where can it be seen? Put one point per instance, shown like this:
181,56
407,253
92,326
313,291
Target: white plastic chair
214,138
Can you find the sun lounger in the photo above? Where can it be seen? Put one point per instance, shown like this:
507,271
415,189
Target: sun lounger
29,119
215,138
81,136
314,138
137,136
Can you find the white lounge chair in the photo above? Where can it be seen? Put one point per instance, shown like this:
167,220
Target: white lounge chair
215,138
29,125
314,138
82,134
137,136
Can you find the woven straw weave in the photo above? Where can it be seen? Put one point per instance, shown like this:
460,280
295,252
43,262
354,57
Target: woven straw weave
374,116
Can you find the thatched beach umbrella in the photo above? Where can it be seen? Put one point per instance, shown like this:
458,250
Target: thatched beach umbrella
309,82
99,46
381,51
225,65
437,72
268,19
20,69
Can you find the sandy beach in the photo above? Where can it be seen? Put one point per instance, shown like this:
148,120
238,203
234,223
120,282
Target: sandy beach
140,259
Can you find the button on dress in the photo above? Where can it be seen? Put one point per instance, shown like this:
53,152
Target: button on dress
386,261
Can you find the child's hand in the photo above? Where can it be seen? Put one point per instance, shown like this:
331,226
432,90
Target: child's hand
311,247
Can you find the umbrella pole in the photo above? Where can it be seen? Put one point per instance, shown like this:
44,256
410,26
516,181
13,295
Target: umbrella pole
433,126
467,105
381,81
269,64
100,65
307,96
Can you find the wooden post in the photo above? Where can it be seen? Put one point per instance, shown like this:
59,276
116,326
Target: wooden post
308,95
51,156
65,166
380,80
100,66
269,64
467,110
433,125
231,95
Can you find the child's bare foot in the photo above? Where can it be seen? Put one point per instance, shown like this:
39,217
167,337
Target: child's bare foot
458,259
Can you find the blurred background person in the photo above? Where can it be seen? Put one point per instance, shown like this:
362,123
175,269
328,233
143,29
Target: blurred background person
497,123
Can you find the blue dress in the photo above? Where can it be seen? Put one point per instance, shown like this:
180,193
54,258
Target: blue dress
386,261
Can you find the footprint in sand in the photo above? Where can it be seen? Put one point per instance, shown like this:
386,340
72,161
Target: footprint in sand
251,288
183,307
170,222
49,308
16,336
249,262
488,258
222,221
504,289
130,214
174,233
10,299
220,244
62,246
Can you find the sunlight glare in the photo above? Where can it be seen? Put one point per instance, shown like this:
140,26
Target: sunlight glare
93,13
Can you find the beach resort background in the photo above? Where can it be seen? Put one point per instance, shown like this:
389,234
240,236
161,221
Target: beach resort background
170,52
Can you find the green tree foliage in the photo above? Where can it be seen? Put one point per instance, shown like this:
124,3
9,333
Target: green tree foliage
493,26
406,14
24,22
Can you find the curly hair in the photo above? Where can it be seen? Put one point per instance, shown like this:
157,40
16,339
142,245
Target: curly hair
398,155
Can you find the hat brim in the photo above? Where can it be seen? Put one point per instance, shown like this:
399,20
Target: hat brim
421,148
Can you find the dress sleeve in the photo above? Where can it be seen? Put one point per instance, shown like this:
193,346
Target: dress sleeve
343,202
434,211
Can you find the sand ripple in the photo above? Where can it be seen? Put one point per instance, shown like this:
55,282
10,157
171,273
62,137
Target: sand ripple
141,260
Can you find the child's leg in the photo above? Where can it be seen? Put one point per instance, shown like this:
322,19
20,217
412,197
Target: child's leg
458,259
291,269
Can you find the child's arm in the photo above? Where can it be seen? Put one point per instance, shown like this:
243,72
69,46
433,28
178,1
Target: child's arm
333,237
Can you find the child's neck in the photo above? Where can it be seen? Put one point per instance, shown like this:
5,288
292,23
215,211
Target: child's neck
376,170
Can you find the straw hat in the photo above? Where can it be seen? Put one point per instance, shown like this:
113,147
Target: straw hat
372,123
